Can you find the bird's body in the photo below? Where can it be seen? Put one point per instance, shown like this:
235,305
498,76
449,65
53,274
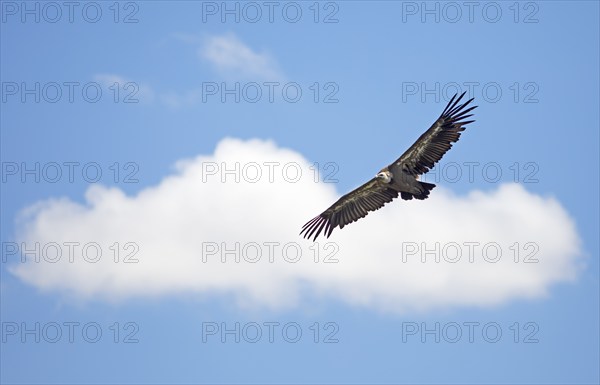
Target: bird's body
404,182
399,178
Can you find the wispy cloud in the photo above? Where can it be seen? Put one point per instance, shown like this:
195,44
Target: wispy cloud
193,215
231,58
127,88
234,59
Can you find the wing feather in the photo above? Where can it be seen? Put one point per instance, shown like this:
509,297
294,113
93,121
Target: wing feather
437,140
351,207
417,160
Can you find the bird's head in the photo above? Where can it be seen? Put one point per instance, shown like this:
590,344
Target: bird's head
385,175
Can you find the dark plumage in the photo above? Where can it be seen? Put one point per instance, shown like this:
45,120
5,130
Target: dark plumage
400,177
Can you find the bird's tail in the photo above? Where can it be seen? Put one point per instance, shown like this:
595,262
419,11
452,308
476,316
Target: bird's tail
423,194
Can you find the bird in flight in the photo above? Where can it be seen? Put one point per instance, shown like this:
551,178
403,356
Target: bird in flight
400,177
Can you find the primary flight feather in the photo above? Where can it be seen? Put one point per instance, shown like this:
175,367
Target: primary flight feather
400,177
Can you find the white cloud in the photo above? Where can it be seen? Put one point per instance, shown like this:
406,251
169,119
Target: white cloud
234,59
192,209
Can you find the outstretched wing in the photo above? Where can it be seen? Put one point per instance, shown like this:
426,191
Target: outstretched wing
350,208
435,142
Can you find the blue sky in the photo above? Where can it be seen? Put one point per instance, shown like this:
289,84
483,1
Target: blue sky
187,142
